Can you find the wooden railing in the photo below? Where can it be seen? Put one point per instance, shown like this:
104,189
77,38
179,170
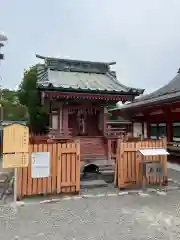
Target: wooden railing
173,144
174,148
50,136
55,134
115,132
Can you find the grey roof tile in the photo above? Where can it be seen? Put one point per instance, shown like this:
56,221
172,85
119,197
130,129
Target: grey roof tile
80,80
172,86
167,92
85,81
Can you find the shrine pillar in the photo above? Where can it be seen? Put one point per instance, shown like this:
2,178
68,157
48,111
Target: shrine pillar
101,120
148,125
105,119
169,130
60,125
169,126
145,130
65,121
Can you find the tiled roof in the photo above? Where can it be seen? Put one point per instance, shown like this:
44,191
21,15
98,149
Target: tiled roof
168,92
97,77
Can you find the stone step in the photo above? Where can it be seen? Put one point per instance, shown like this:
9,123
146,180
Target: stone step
93,184
106,169
108,173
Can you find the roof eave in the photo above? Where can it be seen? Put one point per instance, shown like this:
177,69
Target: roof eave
113,109
59,89
151,102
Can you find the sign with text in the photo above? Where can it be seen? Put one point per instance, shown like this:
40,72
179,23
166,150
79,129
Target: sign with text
15,160
15,138
40,164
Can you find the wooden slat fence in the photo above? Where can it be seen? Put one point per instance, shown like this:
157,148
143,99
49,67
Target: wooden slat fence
64,171
128,171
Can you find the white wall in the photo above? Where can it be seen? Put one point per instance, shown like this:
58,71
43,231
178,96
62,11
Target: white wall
137,129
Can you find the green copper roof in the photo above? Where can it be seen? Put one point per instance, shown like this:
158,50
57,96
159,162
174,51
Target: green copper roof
80,75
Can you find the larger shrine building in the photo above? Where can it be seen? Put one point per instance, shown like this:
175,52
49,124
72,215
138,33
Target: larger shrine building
157,114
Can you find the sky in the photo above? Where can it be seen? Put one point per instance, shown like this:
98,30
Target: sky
142,36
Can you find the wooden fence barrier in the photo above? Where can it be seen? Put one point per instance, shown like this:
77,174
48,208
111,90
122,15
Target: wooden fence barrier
128,171
64,171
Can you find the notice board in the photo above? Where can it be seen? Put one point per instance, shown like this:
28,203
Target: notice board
40,167
15,138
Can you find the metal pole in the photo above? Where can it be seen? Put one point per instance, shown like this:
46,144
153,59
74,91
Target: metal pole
15,189
2,112
1,58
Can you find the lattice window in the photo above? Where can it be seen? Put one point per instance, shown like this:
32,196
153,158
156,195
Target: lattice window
176,130
154,131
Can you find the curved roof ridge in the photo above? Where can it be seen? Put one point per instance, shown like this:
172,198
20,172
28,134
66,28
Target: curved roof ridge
171,87
167,93
73,60
114,79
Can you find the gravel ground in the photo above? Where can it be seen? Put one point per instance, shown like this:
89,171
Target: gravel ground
129,217
124,217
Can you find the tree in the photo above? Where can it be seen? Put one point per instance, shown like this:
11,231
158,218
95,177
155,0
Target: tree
29,96
12,109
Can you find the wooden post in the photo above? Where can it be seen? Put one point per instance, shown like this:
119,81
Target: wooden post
109,141
105,120
15,185
120,164
60,119
65,121
78,165
148,129
116,164
50,115
167,115
169,130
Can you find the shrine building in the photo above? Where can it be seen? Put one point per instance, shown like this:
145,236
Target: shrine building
156,114
77,94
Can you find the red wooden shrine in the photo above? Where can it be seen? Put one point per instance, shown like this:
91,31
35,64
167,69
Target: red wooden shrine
157,114
77,94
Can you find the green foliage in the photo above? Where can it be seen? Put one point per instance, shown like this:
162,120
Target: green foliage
29,96
12,109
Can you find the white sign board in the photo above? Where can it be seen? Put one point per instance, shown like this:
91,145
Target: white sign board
40,164
153,151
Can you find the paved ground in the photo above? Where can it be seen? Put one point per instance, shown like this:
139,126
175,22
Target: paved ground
123,217
174,172
129,217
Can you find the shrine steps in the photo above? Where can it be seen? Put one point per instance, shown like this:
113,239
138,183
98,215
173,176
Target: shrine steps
99,179
93,147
